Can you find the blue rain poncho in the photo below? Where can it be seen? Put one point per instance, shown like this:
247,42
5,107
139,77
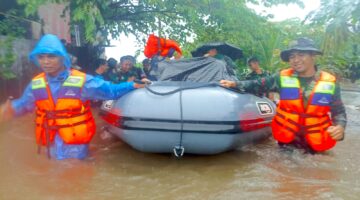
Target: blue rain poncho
94,89
50,44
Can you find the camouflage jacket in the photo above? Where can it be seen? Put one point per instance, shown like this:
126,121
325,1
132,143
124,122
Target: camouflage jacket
253,75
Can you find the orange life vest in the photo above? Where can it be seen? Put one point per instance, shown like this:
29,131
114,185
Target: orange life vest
70,117
160,46
293,120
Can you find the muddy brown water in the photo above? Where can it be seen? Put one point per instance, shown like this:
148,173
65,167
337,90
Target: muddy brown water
116,171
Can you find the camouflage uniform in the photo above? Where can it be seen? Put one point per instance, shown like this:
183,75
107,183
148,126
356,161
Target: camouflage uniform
253,75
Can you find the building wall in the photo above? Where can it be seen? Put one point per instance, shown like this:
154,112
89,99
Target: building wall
54,20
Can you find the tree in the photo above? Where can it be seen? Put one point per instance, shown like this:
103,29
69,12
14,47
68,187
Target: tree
175,17
243,27
7,58
340,20
10,15
189,22
112,18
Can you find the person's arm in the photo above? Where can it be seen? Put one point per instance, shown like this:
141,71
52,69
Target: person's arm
98,89
262,85
141,73
141,76
338,116
24,104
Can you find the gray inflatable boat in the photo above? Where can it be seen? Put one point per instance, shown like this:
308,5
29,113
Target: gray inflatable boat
188,117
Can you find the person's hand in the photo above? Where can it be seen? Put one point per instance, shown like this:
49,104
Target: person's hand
228,84
146,81
6,111
138,85
336,132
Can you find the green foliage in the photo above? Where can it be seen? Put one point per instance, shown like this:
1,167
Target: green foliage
269,3
31,6
257,36
334,27
341,21
7,25
178,19
340,37
234,22
112,18
11,28
341,17
7,57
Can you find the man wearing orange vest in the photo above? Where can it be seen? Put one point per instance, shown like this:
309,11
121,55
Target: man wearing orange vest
60,97
310,113
156,46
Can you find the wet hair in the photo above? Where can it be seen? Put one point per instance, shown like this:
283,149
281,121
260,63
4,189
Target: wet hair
111,62
128,57
146,61
252,59
99,62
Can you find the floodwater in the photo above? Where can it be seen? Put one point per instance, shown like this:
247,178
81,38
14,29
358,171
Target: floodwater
116,171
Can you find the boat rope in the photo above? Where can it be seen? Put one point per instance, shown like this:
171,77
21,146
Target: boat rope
181,88
179,150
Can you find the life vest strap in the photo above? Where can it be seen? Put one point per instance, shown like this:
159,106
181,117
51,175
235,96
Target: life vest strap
288,120
61,111
52,115
57,127
302,115
287,128
302,127
86,106
318,124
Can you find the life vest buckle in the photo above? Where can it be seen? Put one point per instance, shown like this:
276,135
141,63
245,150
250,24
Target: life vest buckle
50,115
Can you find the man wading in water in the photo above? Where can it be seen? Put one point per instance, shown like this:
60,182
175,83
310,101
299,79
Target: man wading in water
61,98
310,113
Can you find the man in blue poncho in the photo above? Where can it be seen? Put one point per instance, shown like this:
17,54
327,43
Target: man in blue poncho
60,98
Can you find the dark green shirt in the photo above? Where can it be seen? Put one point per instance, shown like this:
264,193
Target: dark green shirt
135,72
307,84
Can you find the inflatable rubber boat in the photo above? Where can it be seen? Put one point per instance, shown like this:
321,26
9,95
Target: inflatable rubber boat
188,117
